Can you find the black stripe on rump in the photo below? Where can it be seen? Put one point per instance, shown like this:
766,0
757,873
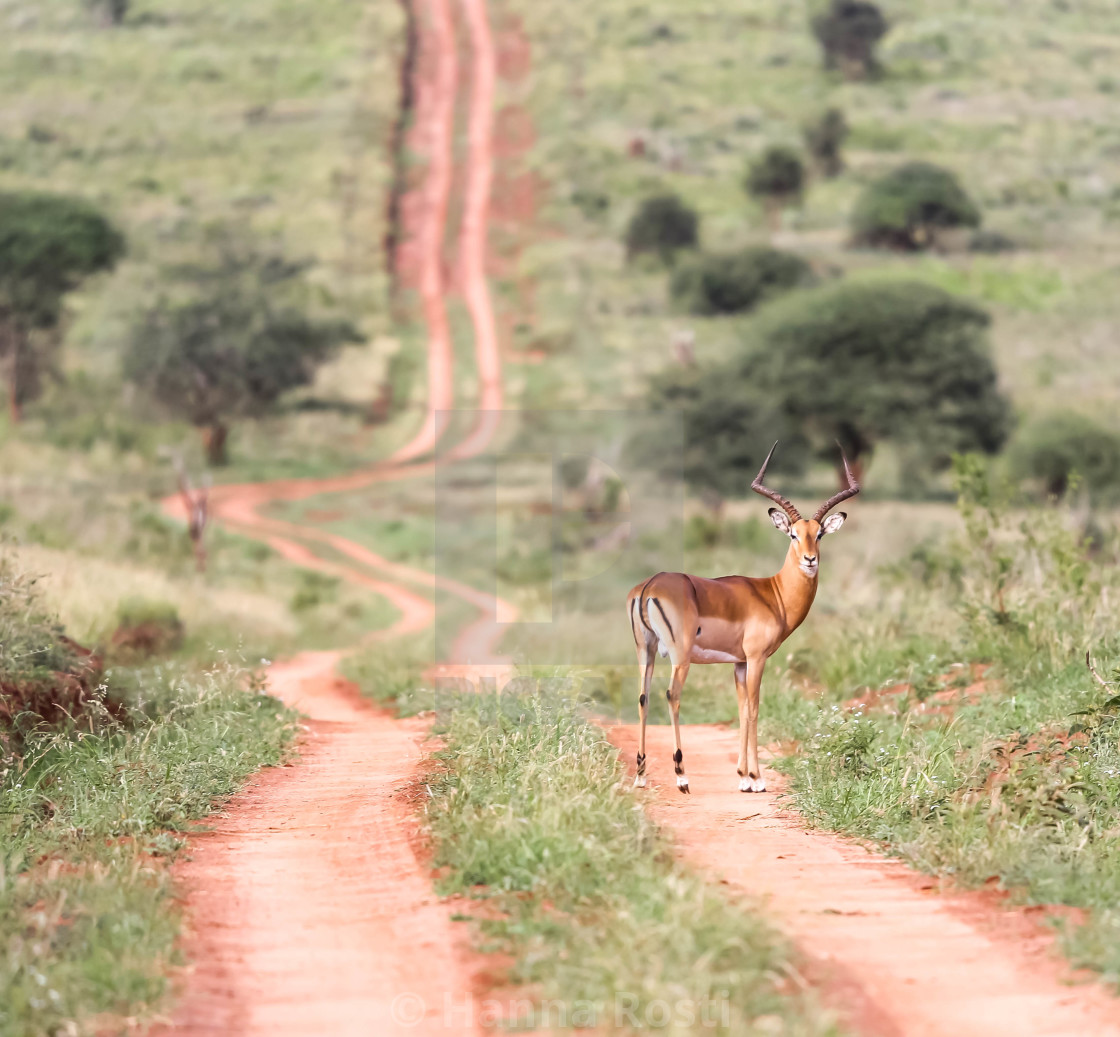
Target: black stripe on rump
664,617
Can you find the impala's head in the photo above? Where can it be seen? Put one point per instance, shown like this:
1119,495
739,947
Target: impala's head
806,534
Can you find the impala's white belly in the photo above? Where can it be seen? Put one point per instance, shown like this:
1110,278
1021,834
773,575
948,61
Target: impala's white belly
710,655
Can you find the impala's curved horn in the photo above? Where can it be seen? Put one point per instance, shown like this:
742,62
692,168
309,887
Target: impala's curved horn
777,498
852,489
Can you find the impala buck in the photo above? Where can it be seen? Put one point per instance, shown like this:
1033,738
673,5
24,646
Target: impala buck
734,619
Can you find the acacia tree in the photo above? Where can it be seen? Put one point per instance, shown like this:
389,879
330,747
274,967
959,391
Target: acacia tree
848,32
776,179
661,225
862,363
48,245
235,335
857,364
910,206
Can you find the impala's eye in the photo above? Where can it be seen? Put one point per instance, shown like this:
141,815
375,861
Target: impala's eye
793,536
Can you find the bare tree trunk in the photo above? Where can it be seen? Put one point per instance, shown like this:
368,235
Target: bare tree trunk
214,441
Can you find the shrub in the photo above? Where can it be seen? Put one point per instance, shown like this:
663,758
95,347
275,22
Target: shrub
848,32
859,363
1051,449
46,680
906,208
737,281
146,629
663,224
824,137
776,178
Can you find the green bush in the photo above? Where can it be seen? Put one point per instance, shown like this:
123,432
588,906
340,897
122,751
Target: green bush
859,363
776,177
1053,448
848,32
906,208
737,281
824,137
662,225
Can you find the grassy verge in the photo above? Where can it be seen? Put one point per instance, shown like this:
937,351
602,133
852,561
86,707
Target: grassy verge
962,730
91,807
529,815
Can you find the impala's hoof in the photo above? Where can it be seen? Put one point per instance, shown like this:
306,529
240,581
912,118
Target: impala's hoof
752,785
682,783
745,785
640,781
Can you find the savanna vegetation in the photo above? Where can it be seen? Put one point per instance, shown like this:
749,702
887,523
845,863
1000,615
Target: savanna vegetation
937,700
102,769
187,177
935,180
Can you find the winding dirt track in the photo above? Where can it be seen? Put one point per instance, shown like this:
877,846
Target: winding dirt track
892,954
308,911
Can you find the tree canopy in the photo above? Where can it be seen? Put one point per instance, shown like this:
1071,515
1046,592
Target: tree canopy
857,364
906,208
848,32
235,336
48,244
734,282
1052,448
776,176
662,225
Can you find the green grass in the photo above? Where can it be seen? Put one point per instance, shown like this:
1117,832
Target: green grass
709,85
1016,778
93,812
530,817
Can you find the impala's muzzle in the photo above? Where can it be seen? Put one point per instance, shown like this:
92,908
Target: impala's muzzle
809,565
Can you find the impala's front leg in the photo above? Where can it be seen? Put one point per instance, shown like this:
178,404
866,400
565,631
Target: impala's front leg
748,682
680,675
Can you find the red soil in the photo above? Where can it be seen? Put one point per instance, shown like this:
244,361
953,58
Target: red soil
308,910
894,954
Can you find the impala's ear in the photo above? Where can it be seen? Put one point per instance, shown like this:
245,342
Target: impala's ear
780,520
833,522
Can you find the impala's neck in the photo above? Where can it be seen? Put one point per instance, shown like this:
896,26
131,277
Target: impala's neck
795,589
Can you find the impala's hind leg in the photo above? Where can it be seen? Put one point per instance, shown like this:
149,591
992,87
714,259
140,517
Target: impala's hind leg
680,675
646,644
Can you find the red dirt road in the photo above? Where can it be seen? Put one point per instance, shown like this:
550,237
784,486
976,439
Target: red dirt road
309,912
896,958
